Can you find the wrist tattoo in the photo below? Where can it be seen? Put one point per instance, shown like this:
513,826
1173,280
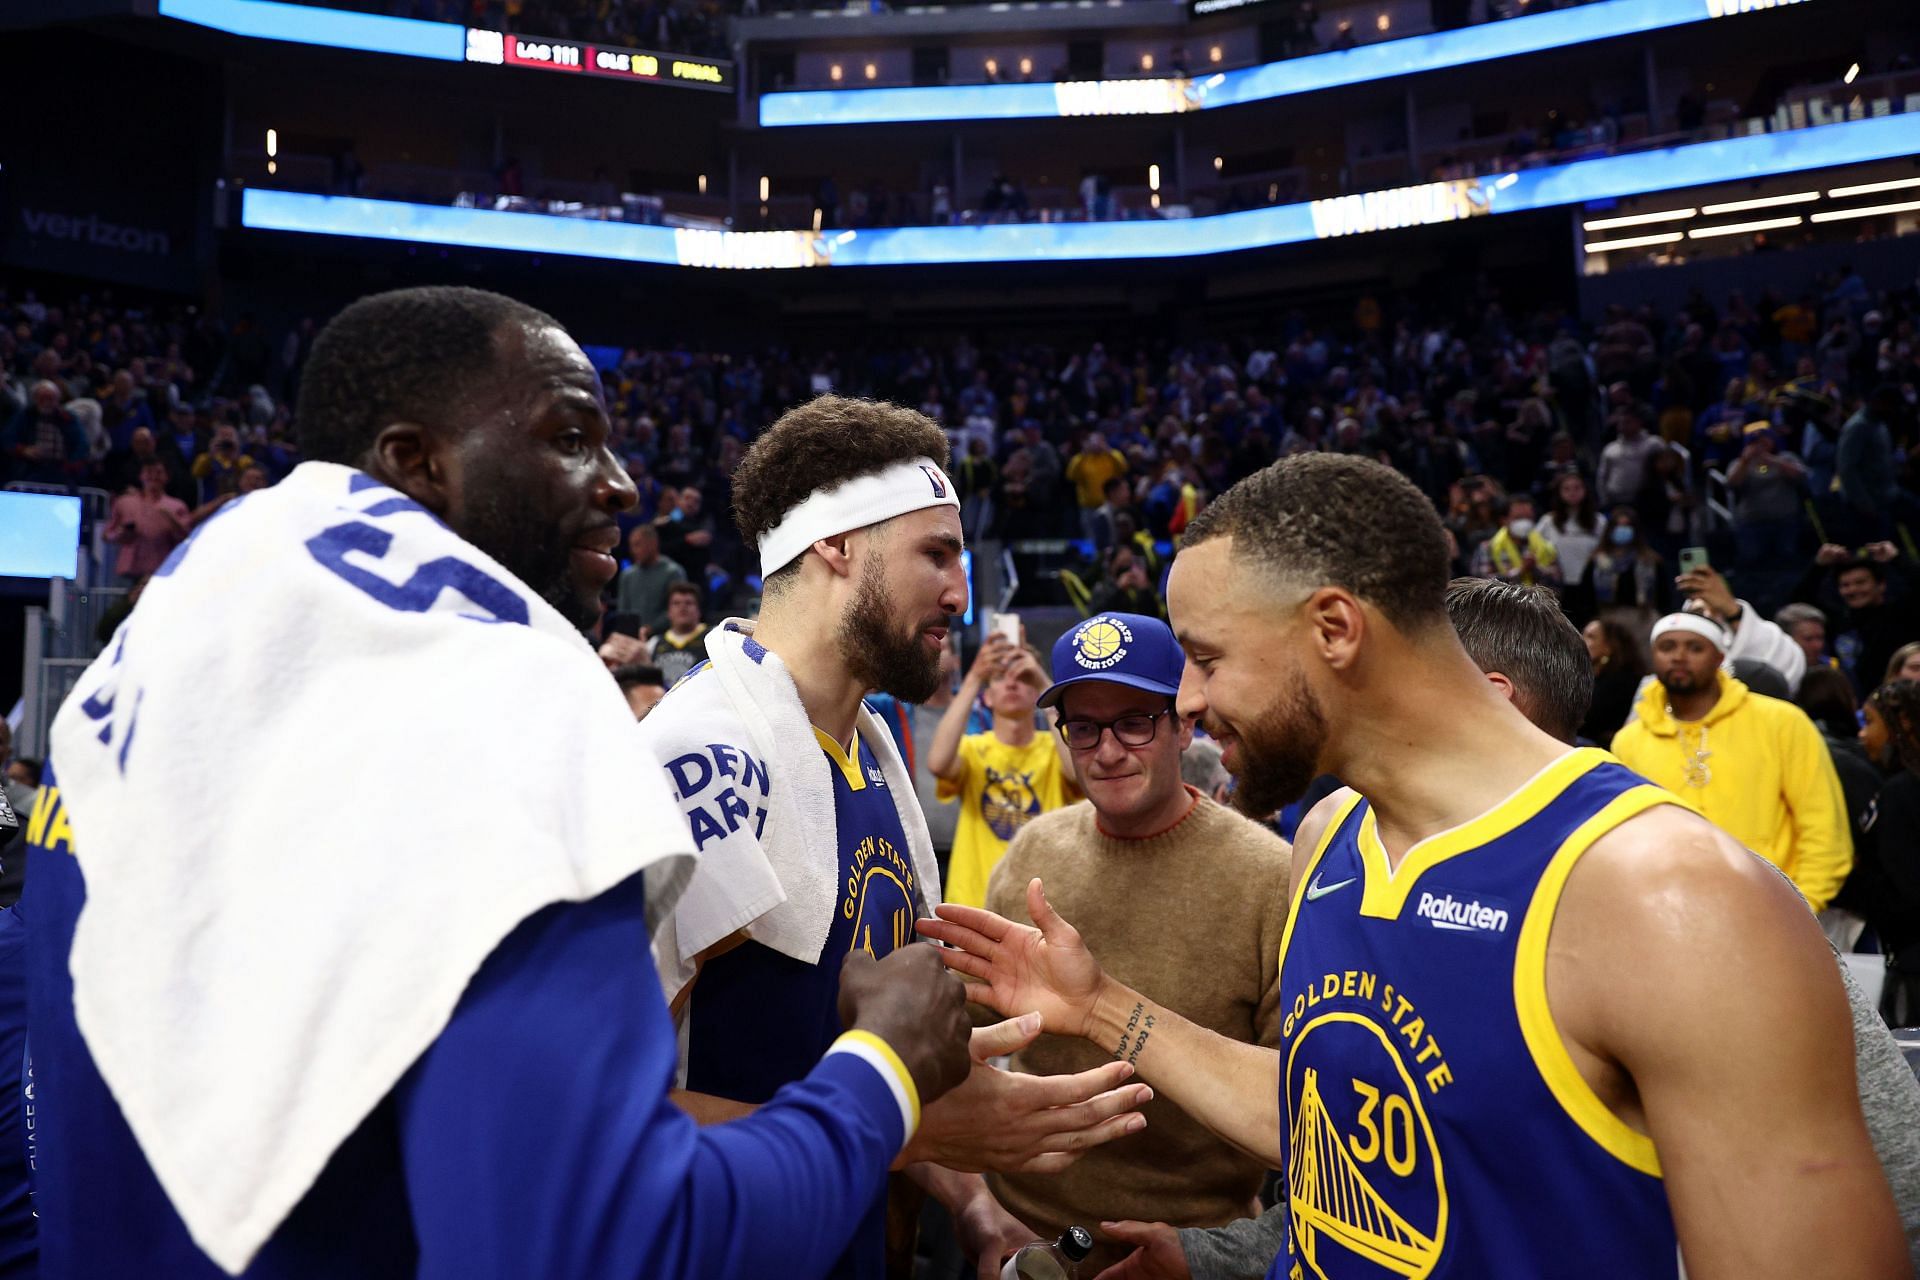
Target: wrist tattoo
1139,1027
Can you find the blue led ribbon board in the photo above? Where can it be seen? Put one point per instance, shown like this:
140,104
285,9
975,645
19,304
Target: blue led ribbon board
1384,60
334,28
1604,178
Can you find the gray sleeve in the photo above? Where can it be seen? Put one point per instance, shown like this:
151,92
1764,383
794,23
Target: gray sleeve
1243,1249
1890,1099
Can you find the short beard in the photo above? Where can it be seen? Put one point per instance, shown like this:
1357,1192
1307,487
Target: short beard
875,653
1280,751
1678,682
510,528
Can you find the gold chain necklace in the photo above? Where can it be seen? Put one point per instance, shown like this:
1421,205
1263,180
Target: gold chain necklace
1698,772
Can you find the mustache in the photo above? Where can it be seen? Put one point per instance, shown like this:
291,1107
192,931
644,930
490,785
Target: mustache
1216,728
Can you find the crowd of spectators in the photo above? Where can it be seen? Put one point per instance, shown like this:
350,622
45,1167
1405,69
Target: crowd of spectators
1757,455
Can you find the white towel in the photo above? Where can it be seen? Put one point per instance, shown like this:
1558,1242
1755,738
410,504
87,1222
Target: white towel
319,775
764,824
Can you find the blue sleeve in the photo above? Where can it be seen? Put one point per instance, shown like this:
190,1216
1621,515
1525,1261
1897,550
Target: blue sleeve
538,1138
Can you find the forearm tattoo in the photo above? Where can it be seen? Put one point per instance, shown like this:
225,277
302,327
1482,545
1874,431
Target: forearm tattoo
1139,1028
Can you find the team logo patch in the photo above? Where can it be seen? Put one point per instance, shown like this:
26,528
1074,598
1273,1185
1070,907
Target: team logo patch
1008,802
1365,1187
1101,643
934,479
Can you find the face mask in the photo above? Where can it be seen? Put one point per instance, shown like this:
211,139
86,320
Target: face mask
1521,529
1623,536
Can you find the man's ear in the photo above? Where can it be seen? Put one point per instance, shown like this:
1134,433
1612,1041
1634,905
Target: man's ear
1500,682
413,459
837,553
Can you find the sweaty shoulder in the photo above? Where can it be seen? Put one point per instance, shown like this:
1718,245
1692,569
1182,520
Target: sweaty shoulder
1659,913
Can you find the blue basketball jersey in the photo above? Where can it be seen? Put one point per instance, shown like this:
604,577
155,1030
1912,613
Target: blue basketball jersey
759,1019
1436,1125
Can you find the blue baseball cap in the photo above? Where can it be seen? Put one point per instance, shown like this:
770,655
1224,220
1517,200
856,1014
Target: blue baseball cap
1121,648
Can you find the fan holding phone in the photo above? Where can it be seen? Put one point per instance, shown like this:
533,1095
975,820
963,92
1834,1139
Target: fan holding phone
1755,638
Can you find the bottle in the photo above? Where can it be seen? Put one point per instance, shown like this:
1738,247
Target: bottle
1057,1261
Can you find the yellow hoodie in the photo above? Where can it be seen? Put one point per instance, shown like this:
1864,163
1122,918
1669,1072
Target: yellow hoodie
1758,769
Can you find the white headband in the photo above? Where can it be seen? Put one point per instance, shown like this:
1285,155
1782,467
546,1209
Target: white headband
855,504
1699,626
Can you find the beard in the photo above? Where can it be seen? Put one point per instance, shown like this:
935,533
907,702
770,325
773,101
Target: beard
1280,750
876,654
511,527
1678,681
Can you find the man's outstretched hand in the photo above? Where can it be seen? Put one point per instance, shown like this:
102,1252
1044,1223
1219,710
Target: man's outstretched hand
1047,970
1012,1122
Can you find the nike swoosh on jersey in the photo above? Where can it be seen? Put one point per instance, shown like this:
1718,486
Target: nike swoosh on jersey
1316,890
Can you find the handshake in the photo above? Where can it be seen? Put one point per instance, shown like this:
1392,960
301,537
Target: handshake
974,1116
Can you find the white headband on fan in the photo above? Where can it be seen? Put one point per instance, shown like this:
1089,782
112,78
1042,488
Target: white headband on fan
1712,631
855,504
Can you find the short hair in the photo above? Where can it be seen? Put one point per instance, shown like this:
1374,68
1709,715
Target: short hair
1826,695
685,588
1332,519
1505,504
824,442
402,356
1791,616
36,773
1521,633
1871,566
1200,766
637,675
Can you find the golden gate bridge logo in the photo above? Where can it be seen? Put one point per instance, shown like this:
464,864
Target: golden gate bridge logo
1331,1176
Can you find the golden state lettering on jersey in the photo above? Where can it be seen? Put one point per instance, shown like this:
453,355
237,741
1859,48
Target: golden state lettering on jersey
739,786
1434,1125
878,893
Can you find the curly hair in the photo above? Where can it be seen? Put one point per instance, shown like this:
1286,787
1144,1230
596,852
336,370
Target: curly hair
405,355
822,443
1898,702
1329,519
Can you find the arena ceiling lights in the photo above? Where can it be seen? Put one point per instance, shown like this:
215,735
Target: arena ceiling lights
1743,206
446,42
1604,178
1412,55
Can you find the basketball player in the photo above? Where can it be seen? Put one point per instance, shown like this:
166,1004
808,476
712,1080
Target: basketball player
330,1000
810,833
1521,640
1538,1019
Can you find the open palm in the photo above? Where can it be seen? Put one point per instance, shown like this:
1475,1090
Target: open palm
1047,970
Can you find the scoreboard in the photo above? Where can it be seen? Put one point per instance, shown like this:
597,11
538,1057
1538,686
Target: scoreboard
544,53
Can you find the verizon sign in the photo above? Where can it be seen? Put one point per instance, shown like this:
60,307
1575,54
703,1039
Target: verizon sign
95,231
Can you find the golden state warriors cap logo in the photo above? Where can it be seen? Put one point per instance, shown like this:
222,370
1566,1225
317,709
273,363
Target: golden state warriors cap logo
1101,642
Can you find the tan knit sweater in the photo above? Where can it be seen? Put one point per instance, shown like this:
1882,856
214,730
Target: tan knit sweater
1191,918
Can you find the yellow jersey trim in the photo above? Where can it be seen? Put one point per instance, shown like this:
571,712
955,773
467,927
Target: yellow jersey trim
849,766
1549,1052
1386,890
885,1050
1297,891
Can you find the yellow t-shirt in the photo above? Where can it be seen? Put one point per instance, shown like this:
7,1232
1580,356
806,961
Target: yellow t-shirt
1090,473
1001,789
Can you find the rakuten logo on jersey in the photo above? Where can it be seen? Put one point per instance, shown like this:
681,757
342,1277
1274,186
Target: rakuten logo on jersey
1463,915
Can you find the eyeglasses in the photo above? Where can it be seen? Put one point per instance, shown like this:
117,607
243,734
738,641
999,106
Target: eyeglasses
1128,731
